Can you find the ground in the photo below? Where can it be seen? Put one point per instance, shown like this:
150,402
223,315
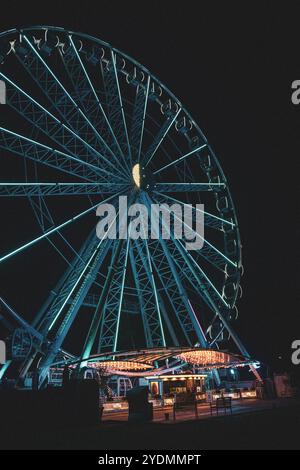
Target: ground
256,425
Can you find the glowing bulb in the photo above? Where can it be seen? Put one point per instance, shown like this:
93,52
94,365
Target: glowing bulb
136,175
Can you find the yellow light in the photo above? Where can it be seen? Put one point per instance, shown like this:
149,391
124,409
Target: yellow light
122,365
205,357
136,175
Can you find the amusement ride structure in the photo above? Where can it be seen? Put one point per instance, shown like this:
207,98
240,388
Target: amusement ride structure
85,124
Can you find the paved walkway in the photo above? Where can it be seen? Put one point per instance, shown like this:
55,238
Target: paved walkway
238,407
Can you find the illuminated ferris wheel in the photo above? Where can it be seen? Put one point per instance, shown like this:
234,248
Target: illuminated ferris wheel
84,125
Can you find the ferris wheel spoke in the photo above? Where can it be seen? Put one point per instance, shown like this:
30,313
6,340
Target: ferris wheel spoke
159,138
210,220
45,121
188,187
138,120
180,159
83,285
169,257
96,254
40,153
209,293
51,309
173,287
58,189
61,99
113,268
194,275
208,250
96,321
55,229
115,110
89,99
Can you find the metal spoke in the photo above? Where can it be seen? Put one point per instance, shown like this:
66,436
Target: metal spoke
116,144
211,220
87,277
115,108
88,97
159,139
138,121
180,159
208,251
37,115
40,153
188,187
173,287
59,189
63,101
55,229
114,58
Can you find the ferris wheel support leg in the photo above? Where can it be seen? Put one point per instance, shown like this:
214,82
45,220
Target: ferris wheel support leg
160,303
110,317
91,336
193,320
154,320
4,368
140,293
84,282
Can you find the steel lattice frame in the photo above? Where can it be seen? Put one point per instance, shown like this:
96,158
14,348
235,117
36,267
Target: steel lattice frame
88,113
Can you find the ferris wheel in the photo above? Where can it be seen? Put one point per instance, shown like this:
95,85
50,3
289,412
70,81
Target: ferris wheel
86,124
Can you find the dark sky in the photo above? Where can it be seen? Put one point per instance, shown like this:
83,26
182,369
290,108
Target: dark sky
232,66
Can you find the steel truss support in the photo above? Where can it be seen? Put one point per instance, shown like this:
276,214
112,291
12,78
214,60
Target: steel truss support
110,320
151,303
169,277
94,327
68,314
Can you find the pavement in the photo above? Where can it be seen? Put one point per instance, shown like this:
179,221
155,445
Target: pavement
238,407
254,424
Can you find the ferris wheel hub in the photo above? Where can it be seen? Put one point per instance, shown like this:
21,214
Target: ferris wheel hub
136,175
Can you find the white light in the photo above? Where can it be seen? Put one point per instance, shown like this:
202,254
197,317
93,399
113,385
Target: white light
136,175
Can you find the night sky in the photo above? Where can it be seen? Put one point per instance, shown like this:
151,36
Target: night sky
232,67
